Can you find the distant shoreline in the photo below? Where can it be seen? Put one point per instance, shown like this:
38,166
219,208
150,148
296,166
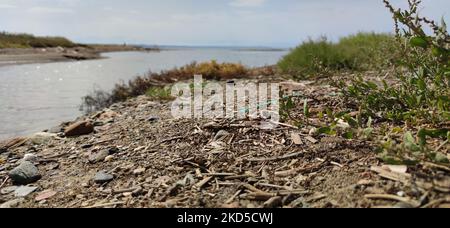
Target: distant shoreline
21,56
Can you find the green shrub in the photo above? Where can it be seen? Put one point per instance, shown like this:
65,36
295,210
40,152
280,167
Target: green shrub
418,95
362,51
160,93
420,91
10,40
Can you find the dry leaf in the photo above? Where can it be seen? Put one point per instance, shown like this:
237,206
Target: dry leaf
296,139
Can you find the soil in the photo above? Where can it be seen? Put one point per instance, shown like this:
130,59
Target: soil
161,162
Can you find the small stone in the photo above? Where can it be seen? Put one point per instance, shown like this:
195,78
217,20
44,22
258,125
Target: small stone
12,203
98,157
24,191
113,150
42,138
102,177
153,119
30,158
55,130
139,171
79,128
109,158
127,194
25,173
7,190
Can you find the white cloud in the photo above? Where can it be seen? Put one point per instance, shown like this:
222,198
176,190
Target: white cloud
247,3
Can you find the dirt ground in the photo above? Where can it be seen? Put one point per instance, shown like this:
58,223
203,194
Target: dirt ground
161,162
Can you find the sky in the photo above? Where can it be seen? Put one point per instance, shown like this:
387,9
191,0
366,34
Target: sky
270,23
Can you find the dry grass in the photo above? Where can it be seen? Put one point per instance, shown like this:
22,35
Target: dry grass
153,84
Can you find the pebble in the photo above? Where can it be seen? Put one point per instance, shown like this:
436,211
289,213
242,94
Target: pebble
12,203
113,150
79,128
109,158
139,171
7,190
24,191
25,173
30,158
98,157
153,119
55,130
102,177
42,138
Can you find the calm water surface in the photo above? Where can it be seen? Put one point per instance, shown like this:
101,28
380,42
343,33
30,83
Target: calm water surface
39,96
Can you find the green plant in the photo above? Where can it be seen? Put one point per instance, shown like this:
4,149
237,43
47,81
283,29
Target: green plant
160,93
418,95
400,147
420,92
362,51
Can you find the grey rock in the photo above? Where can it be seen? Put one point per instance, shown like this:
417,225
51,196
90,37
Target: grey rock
113,150
98,157
153,119
30,158
24,191
56,130
25,173
42,138
102,177
7,190
12,203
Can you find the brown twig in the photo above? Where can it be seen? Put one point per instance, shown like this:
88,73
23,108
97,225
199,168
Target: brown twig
105,205
394,198
4,182
202,183
278,158
231,199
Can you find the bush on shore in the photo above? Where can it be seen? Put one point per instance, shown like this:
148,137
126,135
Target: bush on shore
153,84
10,40
363,51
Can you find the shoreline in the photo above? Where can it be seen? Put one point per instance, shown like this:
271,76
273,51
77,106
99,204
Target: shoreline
12,57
